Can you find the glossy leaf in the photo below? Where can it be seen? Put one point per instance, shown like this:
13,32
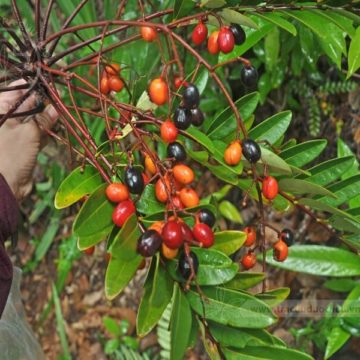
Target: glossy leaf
297,186
301,154
95,216
274,297
180,325
148,203
340,285
124,259
319,260
157,295
228,241
225,123
336,340
278,21
182,8
272,128
354,54
80,182
230,212
245,280
229,307
233,16
274,162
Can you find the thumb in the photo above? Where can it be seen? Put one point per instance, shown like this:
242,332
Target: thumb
47,119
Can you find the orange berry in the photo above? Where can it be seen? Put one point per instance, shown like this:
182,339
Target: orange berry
270,188
168,131
212,45
115,83
248,261
162,188
149,165
233,153
117,192
280,251
104,85
183,174
189,197
158,91
250,236
148,33
112,69
168,253
157,226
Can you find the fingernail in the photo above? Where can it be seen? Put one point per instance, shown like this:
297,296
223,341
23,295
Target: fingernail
52,112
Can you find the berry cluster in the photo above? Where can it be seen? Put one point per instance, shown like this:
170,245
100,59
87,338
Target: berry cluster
110,79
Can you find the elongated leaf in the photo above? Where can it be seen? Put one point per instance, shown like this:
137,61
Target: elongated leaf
274,297
225,122
148,203
230,212
265,353
180,325
240,338
274,162
354,54
273,128
182,8
229,241
336,340
214,267
319,260
158,291
232,308
301,154
328,171
233,16
95,216
200,138
124,259
279,21
297,186
245,280
80,182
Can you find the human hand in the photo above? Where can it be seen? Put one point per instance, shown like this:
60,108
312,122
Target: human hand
21,139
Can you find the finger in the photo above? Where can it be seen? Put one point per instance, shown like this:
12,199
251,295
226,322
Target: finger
47,118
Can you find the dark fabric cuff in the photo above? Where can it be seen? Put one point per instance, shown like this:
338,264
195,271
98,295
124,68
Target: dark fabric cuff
9,216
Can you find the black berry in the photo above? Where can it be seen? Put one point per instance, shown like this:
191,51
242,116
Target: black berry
249,76
182,118
149,243
134,180
185,264
251,151
287,236
177,151
239,33
207,217
191,96
197,117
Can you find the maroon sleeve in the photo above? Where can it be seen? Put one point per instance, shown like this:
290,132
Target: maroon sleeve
9,214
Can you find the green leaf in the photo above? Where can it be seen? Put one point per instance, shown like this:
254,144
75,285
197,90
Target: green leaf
354,54
180,325
231,308
274,162
111,326
225,123
148,203
182,8
158,291
341,21
274,297
319,260
80,182
230,212
297,186
279,21
265,353
273,128
200,138
240,338
95,216
302,154
111,346
233,16
214,267
272,48
212,4
124,259
340,285
328,171
228,241
245,280
336,340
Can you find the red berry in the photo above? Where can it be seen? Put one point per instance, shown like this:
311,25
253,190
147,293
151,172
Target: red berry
89,251
178,81
117,192
248,261
187,234
122,212
199,34
172,234
212,45
204,235
177,203
158,91
168,131
281,250
226,40
270,188
250,236
148,33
